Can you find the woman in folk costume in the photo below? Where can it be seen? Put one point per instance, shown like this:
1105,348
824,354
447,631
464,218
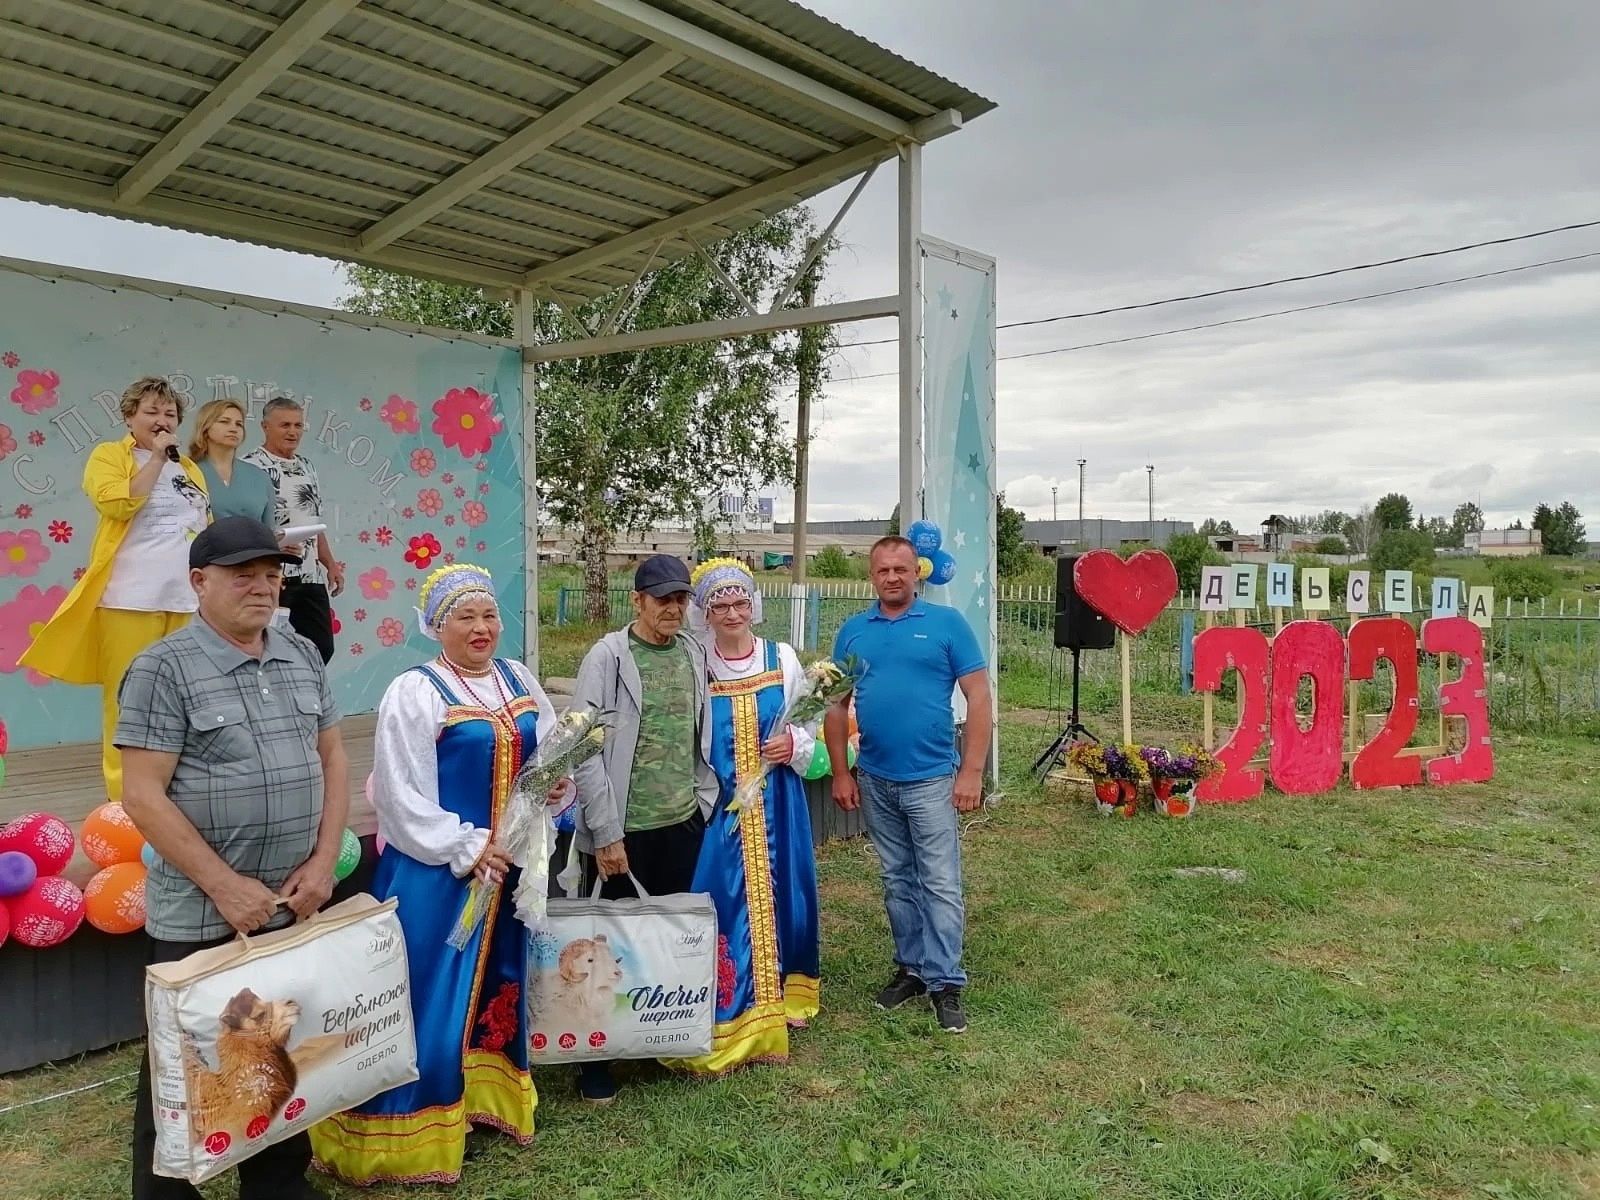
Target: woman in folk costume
451,737
758,864
151,503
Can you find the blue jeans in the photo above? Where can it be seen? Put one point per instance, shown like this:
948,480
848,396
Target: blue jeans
915,830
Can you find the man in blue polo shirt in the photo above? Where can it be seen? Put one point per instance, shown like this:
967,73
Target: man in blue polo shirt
914,655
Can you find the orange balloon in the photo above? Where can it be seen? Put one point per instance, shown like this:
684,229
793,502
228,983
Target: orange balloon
109,837
114,899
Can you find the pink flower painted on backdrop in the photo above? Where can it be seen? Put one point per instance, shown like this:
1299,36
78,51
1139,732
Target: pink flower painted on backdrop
360,614
461,493
465,420
356,649
411,584
483,489
385,535
391,632
447,478
363,537
23,511
447,558
36,391
35,438
7,442
423,462
10,359
449,520
482,546
474,513
61,532
461,543
22,553
21,618
408,512
429,502
375,584
366,404
400,415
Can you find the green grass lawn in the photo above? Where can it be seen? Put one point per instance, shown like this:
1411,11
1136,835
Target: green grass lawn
1399,999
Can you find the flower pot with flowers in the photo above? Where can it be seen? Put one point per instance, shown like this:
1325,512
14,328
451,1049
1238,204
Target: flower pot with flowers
1173,775
1116,772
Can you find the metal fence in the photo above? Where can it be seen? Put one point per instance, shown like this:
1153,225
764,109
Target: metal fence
1542,668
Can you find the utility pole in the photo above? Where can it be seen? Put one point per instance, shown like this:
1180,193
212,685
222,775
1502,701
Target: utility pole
1053,516
809,380
1151,520
1081,463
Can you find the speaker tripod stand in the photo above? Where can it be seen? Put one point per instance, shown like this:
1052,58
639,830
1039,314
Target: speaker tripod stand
1070,732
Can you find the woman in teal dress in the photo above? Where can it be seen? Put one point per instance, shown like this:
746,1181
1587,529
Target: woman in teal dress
758,864
237,489
451,736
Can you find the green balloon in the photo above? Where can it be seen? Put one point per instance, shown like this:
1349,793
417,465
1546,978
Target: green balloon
349,856
821,766
2,770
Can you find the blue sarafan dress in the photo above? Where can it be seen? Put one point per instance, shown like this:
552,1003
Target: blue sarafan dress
760,868
468,1005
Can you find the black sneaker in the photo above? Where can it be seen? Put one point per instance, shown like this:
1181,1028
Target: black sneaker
904,986
947,1008
595,1083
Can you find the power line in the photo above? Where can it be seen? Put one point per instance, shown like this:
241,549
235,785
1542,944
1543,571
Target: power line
1282,312
1251,287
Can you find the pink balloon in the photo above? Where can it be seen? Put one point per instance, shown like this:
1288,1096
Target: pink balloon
378,843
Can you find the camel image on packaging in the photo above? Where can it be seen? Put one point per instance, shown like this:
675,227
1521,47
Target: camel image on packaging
617,979
258,1040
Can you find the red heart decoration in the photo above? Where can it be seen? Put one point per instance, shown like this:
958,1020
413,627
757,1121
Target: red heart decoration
1129,594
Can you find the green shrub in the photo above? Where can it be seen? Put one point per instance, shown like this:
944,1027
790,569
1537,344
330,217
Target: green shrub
1523,579
1330,545
831,562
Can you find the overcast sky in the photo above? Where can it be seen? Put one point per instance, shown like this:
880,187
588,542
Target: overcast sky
1146,148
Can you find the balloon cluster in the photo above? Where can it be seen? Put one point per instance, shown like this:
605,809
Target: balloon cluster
40,908
934,564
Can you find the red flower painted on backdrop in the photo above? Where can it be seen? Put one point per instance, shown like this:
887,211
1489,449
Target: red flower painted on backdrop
375,584
482,546
391,632
447,558
22,553
449,520
411,583
10,359
465,420
461,493
423,549
363,537
461,543
400,415
366,404
79,573
385,535
447,478
36,391
338,625
482,464
61,532
35,438
725,974
23,511
429,502
21,618
423,462
408,513
499,1019
360,614
356,649
483,489
474,513
7,442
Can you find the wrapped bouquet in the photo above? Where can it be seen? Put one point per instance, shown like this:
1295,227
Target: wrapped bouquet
825,683
524,826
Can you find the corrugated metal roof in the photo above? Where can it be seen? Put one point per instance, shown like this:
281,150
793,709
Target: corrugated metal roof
360,130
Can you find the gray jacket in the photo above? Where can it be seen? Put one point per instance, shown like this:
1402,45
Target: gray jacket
608,680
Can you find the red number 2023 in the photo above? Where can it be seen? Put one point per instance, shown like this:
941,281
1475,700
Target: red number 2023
1217,651
1379,763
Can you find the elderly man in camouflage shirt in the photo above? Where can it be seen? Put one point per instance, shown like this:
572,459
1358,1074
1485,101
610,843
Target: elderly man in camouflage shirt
643,801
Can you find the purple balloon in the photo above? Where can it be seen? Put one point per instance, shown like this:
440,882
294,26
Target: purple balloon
17,873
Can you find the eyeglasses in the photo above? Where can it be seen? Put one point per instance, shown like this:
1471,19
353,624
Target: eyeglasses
731,606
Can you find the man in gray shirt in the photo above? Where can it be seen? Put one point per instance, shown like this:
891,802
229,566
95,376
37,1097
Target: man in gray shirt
235,772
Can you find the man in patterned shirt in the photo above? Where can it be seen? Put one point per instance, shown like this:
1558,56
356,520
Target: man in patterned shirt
298,501
235,773
644,799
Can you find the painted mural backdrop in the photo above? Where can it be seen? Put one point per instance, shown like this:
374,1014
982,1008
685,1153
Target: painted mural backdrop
417,440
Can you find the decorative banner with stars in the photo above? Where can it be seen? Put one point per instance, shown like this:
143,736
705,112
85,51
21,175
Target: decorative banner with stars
416,439
959,469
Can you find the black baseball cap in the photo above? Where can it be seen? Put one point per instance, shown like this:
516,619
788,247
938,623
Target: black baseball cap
235,540
662,575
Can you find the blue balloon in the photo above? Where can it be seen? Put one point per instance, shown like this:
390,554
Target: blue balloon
148,855
944,568
925,536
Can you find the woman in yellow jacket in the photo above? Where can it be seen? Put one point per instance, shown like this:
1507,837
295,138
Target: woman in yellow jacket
152,503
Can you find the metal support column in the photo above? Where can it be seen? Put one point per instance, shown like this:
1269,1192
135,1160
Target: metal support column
910,334
526,323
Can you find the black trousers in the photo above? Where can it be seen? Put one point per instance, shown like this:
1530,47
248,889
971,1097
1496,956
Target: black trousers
277,1171
662,860
310,613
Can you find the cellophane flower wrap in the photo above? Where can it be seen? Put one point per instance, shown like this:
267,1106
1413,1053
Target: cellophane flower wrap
826,683
525,824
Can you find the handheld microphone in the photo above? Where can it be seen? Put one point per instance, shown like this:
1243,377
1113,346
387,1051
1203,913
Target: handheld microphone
172,454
